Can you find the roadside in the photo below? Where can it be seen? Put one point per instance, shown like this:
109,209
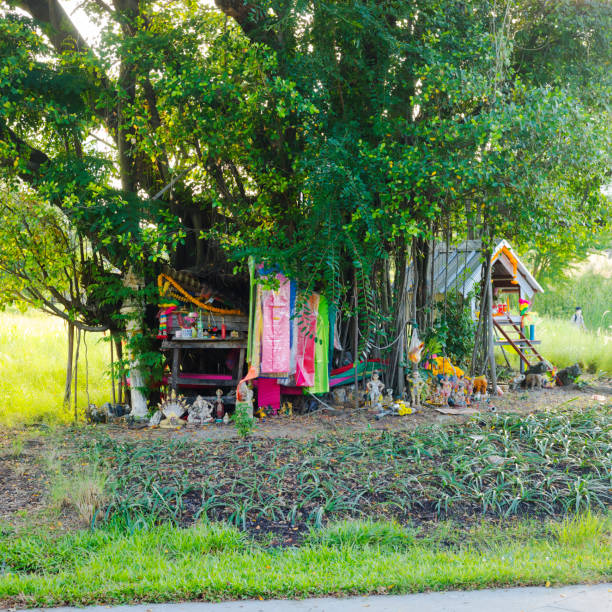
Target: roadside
577,598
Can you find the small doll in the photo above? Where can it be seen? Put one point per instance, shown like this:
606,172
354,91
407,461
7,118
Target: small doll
374,388
219,406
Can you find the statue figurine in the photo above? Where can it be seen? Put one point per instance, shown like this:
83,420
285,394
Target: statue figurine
415,382
173,408
200,412
375,388
458,393
219,406
446,388
388,399
244,398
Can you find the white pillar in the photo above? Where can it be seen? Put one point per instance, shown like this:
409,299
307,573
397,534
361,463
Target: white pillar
133,310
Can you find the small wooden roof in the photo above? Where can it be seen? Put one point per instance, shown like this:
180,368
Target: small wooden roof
461,268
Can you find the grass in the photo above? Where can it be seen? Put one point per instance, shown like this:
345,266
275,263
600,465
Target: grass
589,288
563,344
377,512
216,562
33,362
83,489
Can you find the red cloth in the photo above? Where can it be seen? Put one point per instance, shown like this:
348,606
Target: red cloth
268,393
307,331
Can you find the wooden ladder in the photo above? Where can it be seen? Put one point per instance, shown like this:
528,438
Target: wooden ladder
523,346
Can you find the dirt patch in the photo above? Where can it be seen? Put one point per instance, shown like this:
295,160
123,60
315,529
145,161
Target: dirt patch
347,419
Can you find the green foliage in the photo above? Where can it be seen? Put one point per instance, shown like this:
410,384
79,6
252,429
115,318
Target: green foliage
243,422
452,332
216,562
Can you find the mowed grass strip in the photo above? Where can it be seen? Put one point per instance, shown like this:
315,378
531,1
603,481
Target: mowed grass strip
216,562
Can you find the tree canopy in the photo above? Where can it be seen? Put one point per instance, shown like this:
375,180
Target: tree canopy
333,138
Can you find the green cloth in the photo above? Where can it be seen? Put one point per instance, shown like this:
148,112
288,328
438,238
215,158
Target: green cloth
321,377
251,309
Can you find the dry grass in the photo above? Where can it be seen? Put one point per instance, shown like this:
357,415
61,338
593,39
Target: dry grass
82,489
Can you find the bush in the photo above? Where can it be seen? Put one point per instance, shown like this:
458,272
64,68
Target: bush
243,422
453,328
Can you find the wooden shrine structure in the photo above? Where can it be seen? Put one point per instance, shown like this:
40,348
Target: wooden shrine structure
459,268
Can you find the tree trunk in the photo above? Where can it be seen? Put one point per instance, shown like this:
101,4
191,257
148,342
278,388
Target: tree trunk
491,356
69,365
76,375
421,265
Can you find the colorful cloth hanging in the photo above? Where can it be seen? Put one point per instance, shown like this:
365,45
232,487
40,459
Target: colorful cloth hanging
307,331
276,335
321,358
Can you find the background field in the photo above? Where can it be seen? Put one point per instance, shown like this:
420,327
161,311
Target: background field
33,361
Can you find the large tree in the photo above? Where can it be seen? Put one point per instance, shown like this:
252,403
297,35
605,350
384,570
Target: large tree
336,139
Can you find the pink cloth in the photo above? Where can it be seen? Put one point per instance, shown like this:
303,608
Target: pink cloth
268,393
307,331
275,344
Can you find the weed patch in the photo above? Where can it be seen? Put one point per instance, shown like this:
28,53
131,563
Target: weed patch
543,464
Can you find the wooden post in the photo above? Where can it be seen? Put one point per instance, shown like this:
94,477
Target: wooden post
69,365
492,365
176,353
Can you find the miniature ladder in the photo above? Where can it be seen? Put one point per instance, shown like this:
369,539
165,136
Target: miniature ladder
523,346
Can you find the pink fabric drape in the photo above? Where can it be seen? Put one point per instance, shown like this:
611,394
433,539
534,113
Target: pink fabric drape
306,334
275,345
268,393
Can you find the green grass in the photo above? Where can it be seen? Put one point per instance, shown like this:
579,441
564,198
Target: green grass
564,344
33,361
591,289
216,562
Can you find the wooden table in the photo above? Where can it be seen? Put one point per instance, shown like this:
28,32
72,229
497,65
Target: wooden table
178,344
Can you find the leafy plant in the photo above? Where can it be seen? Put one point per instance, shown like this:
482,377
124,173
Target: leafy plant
243,422
452,332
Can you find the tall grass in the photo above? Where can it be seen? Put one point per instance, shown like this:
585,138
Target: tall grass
589,289
564,344
33,350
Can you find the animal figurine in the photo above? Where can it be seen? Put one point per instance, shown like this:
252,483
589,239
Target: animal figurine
480,385
375,388
534,381
200,412
516,382
219,406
